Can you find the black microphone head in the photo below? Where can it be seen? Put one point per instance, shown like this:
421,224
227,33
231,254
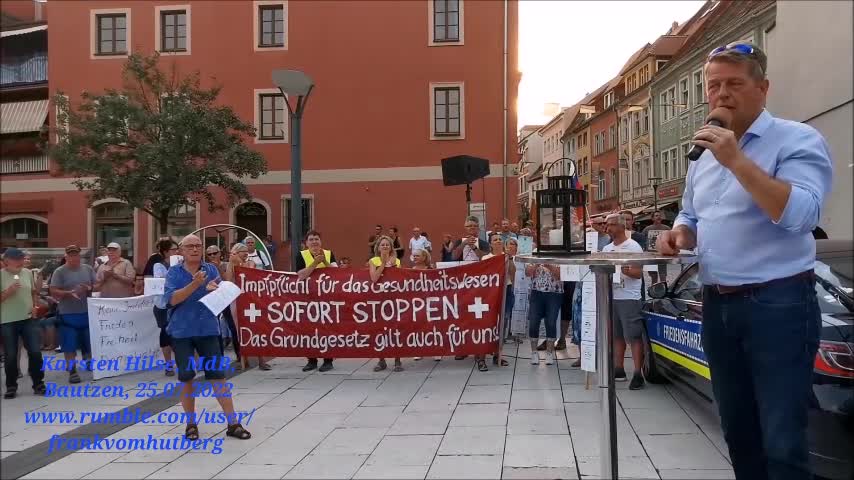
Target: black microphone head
719,117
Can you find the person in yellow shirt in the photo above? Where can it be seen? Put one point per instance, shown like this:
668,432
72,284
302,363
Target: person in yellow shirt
310,259
18,300
384,257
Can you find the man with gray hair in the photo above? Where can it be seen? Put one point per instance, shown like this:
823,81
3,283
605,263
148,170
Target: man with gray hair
470,247
627,306
750,203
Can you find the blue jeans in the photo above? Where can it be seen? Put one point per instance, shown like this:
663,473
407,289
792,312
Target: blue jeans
543,306
760,345
28,330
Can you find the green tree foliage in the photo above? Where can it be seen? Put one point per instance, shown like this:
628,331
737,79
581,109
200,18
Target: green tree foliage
159,143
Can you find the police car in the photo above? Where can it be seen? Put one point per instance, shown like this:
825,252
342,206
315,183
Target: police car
673,317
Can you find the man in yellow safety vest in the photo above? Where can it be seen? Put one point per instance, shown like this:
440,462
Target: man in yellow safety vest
310,259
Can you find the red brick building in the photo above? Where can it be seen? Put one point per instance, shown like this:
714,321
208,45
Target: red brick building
605,169
398,86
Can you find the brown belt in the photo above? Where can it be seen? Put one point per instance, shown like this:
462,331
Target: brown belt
729,290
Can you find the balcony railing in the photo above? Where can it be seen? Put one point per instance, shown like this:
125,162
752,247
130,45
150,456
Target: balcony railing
34,164
31,70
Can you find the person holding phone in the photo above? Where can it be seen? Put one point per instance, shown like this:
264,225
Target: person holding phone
18,300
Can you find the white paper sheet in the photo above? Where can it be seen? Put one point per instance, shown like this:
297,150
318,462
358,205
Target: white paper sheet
588,356
592,240
154,286
221,298
571,273
588,326
588,297
526,244
175,260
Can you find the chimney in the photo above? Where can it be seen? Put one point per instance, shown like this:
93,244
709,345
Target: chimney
673,28
37,8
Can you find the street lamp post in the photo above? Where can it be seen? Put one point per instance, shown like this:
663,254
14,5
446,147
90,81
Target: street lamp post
293,83
655,181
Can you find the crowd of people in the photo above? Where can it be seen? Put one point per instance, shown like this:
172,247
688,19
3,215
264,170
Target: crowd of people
59,295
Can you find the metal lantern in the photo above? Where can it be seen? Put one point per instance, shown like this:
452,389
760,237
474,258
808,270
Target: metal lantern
562,218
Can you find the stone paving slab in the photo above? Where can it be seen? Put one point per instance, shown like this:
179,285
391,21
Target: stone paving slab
434,420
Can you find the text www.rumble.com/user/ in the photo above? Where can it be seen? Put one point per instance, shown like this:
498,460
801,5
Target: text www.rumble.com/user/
128,416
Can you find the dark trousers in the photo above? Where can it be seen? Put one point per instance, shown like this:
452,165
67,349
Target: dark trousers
566,309
28,331
232,327
314,360
760,345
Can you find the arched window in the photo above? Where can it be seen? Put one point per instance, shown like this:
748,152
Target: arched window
253,217
23,232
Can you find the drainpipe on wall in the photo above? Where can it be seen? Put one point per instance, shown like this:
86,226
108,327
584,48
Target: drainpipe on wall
504,143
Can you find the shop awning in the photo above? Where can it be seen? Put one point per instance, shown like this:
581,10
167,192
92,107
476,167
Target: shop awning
19,117
22,31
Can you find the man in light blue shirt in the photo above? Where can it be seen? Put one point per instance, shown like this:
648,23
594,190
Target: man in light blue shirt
750,204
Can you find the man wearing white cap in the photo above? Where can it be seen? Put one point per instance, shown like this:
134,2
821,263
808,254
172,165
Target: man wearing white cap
115,278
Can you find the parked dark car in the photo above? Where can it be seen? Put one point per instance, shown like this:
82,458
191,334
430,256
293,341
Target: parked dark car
673,316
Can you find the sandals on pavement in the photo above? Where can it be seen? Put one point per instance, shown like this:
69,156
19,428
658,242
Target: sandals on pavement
191,432
481,366
265,367
237,431
381,365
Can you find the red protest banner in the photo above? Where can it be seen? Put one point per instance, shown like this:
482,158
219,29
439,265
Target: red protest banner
341,313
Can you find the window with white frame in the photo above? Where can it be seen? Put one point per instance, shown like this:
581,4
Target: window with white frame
572,145
659,64
662,101
447,111
635,124
674,162
609,99
446,22
645,172
665,165
271,116
600,191
636,174
271,24
307,214
595,144
614,187
684,93
173,29
699,90
671,102
110,33
612,136
584,139
645,121
624,129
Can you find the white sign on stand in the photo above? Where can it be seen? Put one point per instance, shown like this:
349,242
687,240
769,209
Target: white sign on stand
122,328
588,308
588,356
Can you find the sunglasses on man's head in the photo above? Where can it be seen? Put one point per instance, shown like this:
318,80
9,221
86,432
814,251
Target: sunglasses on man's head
741,48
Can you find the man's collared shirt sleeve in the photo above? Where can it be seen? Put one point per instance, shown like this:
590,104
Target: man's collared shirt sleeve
687,216
174,281
805,164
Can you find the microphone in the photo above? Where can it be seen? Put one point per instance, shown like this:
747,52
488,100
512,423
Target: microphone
718,117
